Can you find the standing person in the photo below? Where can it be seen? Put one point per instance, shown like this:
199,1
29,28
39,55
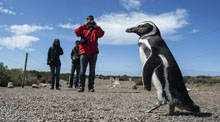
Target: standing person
90,32
75,65
53,61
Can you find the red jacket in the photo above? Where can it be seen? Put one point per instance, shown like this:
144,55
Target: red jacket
91,46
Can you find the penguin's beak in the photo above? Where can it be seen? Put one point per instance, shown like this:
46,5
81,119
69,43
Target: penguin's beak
132,30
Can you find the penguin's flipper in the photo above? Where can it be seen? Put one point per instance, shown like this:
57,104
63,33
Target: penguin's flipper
148,69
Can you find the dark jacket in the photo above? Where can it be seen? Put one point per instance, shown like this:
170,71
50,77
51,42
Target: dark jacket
75,52
54,53
91,46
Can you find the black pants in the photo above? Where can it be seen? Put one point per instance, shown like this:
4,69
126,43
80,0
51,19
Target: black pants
84,61
75,67
55,73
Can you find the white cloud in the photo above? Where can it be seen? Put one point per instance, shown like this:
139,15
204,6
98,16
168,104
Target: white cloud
6,11
115,24
25,29
22,42
20,39
194,31
130,4
69,26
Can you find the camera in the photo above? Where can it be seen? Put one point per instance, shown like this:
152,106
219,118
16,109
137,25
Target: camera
91,25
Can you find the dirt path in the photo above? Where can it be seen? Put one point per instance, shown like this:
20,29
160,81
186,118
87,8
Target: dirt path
106,104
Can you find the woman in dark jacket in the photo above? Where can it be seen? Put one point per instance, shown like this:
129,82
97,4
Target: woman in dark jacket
53,61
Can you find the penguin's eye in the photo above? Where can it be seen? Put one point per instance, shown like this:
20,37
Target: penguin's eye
141,26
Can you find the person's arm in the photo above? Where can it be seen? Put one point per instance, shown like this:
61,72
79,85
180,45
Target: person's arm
72,53
49,57
79,30
61,51
99,31
78,54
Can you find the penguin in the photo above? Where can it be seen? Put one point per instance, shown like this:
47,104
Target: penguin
160,68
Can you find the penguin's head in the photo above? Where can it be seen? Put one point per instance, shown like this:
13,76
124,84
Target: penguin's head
144,29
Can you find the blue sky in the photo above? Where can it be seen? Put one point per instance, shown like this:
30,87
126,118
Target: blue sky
189,27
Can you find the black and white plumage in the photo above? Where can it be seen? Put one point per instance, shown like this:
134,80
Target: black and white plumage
160,67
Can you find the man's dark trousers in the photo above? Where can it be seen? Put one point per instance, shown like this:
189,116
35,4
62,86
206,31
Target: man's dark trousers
84,61
75,67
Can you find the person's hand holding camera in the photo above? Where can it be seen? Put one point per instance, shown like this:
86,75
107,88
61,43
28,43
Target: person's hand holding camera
94,24
75,57
91,24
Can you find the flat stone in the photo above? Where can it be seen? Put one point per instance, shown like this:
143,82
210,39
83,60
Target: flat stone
10,85
35,86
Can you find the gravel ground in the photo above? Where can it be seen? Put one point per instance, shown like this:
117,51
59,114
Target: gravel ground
106,104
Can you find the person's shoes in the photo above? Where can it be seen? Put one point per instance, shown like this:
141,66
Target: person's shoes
91,90
51,88
80,90
70,87
58,89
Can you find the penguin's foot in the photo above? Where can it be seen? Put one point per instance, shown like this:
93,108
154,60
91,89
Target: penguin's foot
171,110
153,108
170,114
157,105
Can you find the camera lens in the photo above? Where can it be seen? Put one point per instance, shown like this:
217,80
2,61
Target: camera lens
93,23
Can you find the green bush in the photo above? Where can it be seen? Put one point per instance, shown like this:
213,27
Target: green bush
124,78
4,75
16,76
37,77
138,81
65,76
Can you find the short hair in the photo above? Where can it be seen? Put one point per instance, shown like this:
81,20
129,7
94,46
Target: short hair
90,17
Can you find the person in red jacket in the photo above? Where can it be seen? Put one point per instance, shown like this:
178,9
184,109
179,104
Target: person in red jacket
89,32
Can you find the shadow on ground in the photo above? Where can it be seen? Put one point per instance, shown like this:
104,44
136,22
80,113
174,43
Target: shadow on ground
178,113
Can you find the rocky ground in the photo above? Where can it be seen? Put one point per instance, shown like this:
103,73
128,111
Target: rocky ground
106,104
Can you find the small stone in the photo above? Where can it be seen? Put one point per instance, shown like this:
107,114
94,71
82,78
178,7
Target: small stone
35,86
134,87
188,89
43,85
10,85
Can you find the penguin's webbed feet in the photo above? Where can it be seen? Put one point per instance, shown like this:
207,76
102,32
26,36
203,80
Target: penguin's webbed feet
171,110
157,105
153,108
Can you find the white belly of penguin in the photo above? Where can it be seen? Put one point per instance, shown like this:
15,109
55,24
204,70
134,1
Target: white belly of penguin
158,87
142,54
167,86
